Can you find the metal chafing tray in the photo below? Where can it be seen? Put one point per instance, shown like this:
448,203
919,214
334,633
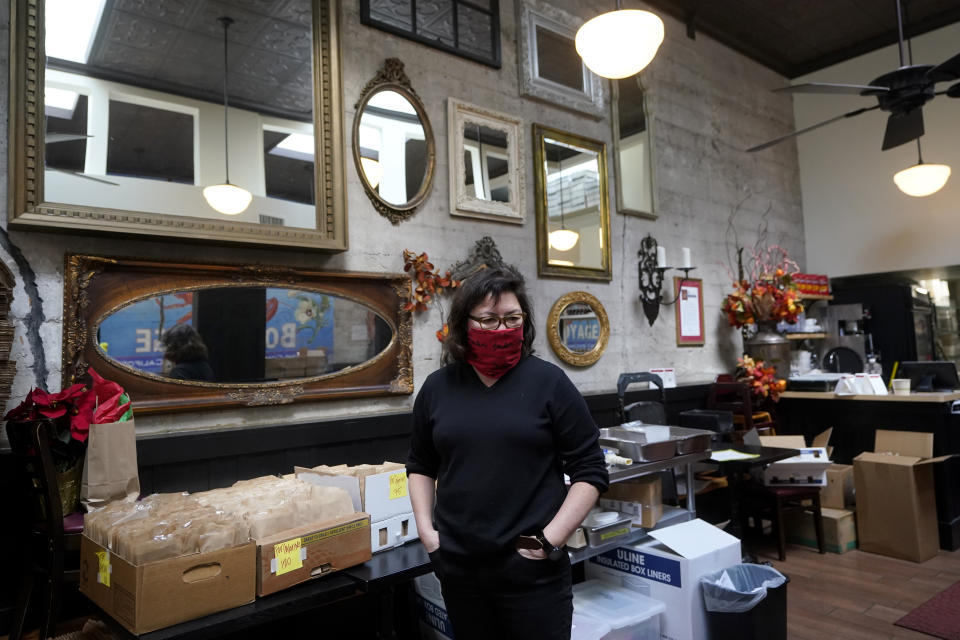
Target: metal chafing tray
649,443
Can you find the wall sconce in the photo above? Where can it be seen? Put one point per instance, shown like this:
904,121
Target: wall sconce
652,265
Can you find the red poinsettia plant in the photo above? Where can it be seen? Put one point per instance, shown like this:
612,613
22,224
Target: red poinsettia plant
73,410
765,291
759,378
426,285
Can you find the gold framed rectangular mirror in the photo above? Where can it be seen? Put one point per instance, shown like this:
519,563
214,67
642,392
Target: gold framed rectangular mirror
195,336
122,116
573,213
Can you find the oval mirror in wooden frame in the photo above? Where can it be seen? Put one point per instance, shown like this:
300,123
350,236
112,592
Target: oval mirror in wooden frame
376,124
578,328
96,288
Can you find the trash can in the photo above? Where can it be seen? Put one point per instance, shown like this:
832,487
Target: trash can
746,602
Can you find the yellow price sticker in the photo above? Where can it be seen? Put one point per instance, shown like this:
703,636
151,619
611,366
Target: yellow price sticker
103,567
398,485
287,555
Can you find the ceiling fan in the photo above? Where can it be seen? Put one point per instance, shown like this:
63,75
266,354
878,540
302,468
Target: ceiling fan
902,92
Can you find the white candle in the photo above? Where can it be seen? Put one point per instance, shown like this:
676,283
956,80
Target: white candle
685,259
661,257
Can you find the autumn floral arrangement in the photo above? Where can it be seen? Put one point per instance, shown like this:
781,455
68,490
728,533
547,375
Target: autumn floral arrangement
764,292
759,378
426,286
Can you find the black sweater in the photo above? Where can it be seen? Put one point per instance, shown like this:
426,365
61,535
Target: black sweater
499,453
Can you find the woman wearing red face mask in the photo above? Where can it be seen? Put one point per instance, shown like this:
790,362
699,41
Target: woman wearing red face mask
494,431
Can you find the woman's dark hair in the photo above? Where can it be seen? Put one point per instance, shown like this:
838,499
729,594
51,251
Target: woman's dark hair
183,344
473,291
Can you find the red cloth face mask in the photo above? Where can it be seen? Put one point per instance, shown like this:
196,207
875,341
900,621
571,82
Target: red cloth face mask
493,353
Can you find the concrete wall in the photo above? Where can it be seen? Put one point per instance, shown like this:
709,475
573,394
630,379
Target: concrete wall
856,220
708,103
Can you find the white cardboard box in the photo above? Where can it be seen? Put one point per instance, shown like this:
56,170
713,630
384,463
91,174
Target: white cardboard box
809,469
382,495
392,532
434,621
668,569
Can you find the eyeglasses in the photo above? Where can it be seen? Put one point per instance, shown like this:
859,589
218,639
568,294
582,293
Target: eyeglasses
492,323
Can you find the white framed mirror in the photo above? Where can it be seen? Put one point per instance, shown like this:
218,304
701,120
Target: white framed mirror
486,174
633,158
550,68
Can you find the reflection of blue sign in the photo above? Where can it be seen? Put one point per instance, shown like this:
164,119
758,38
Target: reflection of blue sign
581,334
132,335
298,320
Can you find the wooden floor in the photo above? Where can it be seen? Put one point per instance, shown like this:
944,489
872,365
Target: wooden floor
858,594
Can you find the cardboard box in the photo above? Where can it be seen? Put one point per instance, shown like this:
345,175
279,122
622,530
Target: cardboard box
668,568
392,532
159,594
382,495
839,529
896,510
838,494
808,469
645,491
302,553
434,621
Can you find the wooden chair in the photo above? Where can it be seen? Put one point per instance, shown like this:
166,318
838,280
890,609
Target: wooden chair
46,535
759,503
728,395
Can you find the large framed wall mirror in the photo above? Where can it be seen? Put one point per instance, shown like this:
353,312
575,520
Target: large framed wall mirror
633,160
183,336
578,328
118,119
573,215
486,178
393,147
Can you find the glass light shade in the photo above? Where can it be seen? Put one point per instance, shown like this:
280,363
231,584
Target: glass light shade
621,43
563,239
922,179
372,170
227,198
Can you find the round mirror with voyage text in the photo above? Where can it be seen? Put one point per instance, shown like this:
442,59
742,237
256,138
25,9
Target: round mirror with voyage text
578,328
393,146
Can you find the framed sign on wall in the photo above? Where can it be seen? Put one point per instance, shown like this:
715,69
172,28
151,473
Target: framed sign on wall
689,292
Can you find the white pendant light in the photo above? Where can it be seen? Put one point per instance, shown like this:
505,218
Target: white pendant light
227,198
620,43
922,179
562,239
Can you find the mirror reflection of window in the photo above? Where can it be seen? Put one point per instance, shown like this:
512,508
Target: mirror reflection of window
557,59
266,333
288,160
486,163
579,327
66,113
150,143
393,147
575,237
634,147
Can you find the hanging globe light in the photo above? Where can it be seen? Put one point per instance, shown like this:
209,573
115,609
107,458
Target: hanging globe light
922,179
620,43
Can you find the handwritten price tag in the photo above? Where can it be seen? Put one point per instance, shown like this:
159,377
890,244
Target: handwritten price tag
288,555
398,485
103,567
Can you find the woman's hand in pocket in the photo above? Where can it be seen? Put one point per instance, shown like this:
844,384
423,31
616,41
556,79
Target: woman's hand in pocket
430,540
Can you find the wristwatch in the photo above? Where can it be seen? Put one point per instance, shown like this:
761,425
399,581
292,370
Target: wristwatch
554,552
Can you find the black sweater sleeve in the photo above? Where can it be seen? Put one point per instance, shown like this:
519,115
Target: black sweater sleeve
422,457
577,436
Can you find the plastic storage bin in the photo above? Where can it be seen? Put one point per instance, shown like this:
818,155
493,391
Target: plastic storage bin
746,602
587,628
631,616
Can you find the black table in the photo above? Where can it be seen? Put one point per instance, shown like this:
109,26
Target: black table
735,470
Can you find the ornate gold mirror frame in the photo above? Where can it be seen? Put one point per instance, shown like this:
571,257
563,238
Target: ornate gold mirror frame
29,210
554,329
96,287
393,78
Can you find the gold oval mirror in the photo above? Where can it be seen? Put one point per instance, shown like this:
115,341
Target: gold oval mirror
393,146
578,328
242,334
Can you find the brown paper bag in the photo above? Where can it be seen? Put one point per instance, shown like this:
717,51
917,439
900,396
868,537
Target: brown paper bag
110,469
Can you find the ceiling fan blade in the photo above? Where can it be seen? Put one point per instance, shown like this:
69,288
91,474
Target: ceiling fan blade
945,71
827,87
953,91
849,114
902,128
65,137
